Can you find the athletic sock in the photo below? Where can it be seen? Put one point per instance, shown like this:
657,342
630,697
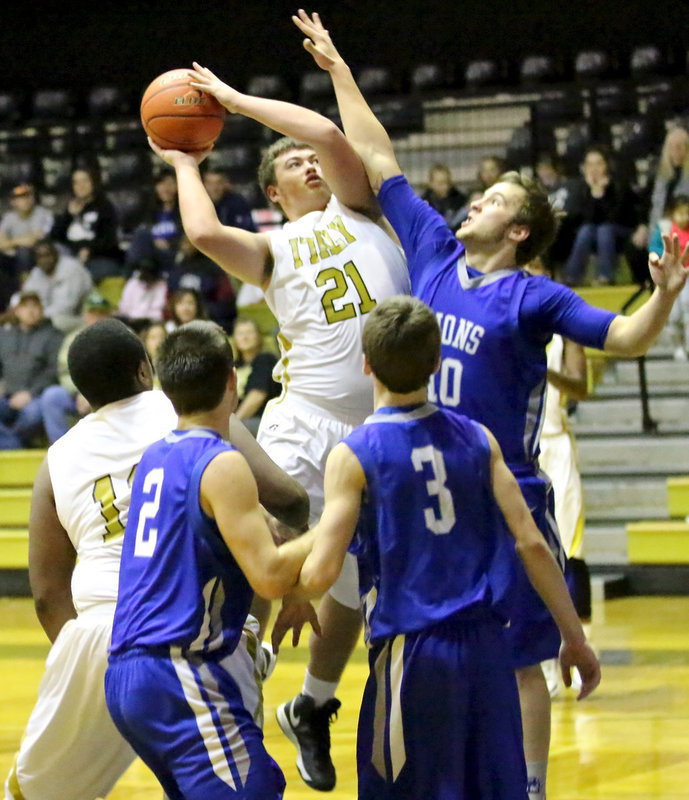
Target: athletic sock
321,691
535,780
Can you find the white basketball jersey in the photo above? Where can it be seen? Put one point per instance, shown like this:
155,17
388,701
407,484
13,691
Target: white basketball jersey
331,268
555,416
91,470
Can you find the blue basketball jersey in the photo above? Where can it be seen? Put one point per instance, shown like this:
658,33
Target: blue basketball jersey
179,584
427,541
494,327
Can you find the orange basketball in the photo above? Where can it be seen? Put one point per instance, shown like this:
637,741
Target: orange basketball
178,117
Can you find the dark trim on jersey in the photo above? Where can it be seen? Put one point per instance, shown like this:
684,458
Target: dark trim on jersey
482,279
400,415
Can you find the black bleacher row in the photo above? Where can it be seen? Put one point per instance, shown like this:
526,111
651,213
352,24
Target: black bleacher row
595,96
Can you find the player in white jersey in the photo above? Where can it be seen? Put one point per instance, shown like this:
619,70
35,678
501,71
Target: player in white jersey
567,380
322,273
71,749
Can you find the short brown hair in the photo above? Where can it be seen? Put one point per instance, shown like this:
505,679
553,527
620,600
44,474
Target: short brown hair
402,343
266,169
536,214
194,363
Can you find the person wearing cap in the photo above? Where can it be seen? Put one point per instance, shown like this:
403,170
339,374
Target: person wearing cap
28,357
62,282
20,228
61,403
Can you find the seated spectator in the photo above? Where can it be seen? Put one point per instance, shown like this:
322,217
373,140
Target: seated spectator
62,282
490,168
230,206
193,270
676,223
604,210
61,403
672,176
184,306
144,296
20,228
158,236
28,357
88,226
255,384
444,196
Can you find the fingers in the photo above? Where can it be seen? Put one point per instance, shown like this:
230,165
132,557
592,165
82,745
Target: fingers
566,675
296,633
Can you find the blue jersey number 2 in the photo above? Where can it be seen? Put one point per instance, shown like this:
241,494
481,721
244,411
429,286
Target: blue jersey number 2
146,535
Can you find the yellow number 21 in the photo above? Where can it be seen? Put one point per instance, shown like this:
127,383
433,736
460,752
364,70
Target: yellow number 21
338,291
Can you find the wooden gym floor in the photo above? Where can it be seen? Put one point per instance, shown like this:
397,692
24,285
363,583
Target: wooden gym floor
630,741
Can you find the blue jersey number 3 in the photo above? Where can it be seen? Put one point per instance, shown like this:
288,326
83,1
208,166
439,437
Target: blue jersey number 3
435,488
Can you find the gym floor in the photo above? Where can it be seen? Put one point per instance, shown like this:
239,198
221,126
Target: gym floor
630,741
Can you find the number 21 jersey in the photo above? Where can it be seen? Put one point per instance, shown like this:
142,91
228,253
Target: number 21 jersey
331,268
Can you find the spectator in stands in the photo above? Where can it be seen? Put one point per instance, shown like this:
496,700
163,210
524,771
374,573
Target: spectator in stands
444,196
22,226
153,336
61,281
676,223
193,270
61,403
672,177
231,207
88,226
552,179
184,306
144,296
159,234
255,384
490,168
28,357
604,210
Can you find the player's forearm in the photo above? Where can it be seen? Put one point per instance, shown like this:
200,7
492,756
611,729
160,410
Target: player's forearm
289,119
199,217
363,130
546,577
633,335
285,566
53,611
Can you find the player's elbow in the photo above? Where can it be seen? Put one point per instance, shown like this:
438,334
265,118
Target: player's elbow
202,234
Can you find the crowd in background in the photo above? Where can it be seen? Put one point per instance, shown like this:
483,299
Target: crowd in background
59,273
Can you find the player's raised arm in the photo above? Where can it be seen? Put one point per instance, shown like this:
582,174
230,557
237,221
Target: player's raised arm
241,253
343,486
51,558
272,571
342,168
633,335
368,137
544,573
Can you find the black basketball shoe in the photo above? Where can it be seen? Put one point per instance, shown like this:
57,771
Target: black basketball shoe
308,728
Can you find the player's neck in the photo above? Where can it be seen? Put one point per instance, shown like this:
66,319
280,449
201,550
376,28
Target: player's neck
383,398
217,420
487,260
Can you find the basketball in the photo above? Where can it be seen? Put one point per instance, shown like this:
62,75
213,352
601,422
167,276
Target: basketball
178,117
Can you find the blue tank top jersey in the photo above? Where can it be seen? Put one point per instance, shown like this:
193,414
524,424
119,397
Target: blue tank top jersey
427,541
179,584
494,327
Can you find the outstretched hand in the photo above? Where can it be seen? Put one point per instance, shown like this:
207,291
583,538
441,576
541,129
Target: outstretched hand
318,41
205,80
668,270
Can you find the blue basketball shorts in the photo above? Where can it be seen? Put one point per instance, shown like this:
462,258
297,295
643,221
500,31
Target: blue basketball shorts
440,716
185,718
532,632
